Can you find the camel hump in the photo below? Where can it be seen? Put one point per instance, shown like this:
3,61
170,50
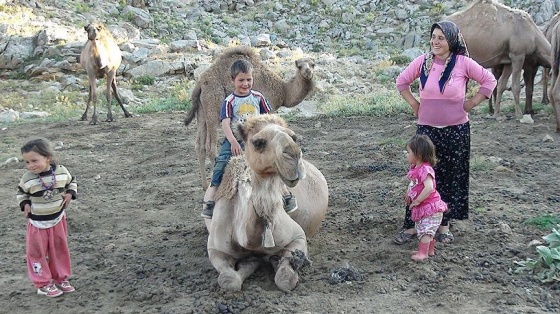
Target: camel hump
246,51
236,172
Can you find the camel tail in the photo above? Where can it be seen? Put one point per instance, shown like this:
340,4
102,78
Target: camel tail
195,99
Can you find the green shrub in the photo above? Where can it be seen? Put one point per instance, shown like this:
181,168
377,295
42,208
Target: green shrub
547,266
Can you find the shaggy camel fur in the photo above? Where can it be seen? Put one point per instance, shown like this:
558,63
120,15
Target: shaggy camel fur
555,86
101,57
215,84
250,225
514,36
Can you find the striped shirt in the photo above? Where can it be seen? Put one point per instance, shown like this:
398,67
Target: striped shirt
239,108
46,200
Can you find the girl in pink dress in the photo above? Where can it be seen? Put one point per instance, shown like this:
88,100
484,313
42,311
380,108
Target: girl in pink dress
422,196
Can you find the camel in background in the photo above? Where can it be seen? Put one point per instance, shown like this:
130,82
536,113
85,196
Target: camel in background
215,84
555,86
250,225
101,57
498,35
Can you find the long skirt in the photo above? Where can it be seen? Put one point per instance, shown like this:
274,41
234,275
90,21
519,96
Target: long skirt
453,147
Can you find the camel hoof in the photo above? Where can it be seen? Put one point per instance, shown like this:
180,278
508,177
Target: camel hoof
230,280
94,122
286,278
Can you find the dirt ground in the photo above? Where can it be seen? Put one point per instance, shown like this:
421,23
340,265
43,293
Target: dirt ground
138,243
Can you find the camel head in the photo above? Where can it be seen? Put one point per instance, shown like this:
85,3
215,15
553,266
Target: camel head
94,31
271,149
305,67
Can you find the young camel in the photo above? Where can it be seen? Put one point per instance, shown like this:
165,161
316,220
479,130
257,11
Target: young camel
215,84
514,37
101,57
250,225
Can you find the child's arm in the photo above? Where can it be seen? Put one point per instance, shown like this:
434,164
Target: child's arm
428,188
235,147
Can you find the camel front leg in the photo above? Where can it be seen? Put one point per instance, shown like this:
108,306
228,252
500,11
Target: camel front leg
286,277
91,97
229,278
517,65
110,78
118,98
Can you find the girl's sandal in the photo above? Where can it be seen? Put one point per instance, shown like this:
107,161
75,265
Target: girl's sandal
403,237
445,238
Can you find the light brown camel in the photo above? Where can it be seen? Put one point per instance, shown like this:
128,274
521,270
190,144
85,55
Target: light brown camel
215,84
250,225
499,35
555,86
101,57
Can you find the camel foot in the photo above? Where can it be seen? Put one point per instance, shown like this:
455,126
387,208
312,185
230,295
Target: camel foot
286,278
128,115
230,280
94,121
83,118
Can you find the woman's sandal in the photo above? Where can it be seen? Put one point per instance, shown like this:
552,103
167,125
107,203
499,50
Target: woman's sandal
445,238
403,237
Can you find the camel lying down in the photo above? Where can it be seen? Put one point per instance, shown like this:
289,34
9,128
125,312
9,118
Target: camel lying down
249,223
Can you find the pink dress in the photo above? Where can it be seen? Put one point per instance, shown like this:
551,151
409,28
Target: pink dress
433,203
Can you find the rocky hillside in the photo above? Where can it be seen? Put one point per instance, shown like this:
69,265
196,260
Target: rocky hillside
359,45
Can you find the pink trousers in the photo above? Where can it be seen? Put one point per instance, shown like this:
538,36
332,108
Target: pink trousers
48,257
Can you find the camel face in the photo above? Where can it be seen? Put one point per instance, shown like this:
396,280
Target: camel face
273,151
94,30
306,68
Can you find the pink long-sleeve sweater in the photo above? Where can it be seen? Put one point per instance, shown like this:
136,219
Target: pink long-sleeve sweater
437,109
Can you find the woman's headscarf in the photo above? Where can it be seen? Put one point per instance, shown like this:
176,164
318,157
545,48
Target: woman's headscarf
457,46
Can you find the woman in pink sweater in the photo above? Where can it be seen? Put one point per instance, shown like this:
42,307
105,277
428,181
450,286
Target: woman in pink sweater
442,113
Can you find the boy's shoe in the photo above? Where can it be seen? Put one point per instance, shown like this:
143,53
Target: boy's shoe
207,209
50,291
290,203
65,286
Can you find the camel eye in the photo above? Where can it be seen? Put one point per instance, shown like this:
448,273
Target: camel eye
259,144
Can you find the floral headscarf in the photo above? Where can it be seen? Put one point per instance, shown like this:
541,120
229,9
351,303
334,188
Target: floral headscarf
457,46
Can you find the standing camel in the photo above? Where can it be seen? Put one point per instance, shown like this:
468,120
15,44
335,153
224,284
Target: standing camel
250,225
499,35
215,84
101,57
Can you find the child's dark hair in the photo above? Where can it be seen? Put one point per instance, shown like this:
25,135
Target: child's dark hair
423,148
40,146
240,66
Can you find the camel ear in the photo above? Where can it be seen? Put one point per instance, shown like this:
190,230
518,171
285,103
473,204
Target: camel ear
260,144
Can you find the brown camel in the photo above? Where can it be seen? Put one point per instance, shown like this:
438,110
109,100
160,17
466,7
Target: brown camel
250,225
215,84
101,57
555,86
513,36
